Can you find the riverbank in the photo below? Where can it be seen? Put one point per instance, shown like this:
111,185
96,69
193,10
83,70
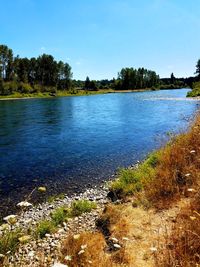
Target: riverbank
152,221
17,96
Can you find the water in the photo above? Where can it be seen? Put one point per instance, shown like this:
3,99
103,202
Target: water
69,143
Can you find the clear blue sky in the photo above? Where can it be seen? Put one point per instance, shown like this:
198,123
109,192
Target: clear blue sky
98,38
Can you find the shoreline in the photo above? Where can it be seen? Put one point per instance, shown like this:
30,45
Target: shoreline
80,93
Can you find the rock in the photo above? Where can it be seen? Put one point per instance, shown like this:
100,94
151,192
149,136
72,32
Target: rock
81,252
153,249
31,254
68,258
116,246
24,239
42,189
83,247
11,219
115,239
24,204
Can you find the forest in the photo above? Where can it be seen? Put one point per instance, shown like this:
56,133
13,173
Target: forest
45,74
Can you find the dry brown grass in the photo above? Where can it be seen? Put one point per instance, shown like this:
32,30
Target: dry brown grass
177,240
183,246
90,250
178,169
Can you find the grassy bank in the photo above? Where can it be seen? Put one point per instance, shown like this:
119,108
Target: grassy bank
166,182
17,95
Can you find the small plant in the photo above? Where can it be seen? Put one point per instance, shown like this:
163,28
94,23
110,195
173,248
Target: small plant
60,215
81,206
44,227
53,198
130,181
9,241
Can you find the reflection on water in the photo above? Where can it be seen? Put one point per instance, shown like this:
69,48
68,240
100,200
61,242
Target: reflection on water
71,142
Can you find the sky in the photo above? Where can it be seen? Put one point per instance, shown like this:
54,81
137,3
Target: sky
99,38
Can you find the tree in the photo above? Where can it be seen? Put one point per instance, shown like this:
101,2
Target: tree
198,69
6,60
172,78
87,83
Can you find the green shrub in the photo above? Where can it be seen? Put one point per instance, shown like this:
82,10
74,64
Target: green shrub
81,206
195,91
9,241
25,88
60,215
44,227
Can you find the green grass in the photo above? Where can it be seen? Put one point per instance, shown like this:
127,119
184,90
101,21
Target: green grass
81,206
9,241
60,215
44,227
130,181
58,94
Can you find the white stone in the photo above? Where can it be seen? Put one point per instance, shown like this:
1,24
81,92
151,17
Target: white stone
153,249
115,239
68,258
191,190
83,246
81,252
117,246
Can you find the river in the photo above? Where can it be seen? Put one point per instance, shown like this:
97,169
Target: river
70,143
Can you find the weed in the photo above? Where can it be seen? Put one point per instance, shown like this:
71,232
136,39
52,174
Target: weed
9,241
44,227
60,215
81,206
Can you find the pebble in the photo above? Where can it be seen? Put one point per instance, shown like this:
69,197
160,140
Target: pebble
47,249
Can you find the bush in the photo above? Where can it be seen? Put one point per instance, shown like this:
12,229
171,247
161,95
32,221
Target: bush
7,88
44,227
24,88
81,206
60,215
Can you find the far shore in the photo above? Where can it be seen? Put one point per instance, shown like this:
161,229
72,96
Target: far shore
18,96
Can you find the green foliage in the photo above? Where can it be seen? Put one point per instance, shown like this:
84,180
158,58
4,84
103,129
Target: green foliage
81,206
24,88
43,70
195,91
130,181
9,241
130,79
44,227
60,215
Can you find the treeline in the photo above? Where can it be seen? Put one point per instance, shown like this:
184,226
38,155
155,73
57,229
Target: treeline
25,75
45,74
130,79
